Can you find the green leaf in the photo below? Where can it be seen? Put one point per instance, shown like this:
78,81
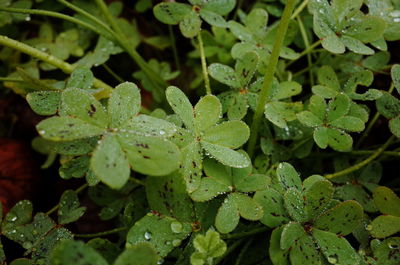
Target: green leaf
272,202
245,68
81,78
109,163
80,104
170,12
141,254
318,107
150,155
20,214
251,182
211,244
327,77
290,234
237,109
349,123
387,252
386,201
256,21
276,253
231,134
308,119
366,29
209,188
337,250
222,7
394,126
304,252
75,252
144,125
384,226
295,205
67,129
224,74
317,197
75,147
213,18
338,107
74,168
228,216
356,192
226,155
287,89
341,219
192,165
321,137
356,45
248,208
333,44
339,140
342,9
395,73
279,113
124,104
168,196
105,248
69,210
44,102
388,105
190,25
162,232
288,176
181,106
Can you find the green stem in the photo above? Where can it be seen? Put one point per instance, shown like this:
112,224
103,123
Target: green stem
305,52
87,15
269,74
307,45
204,64
363,163
104,233
10,79
121,38
173,44
78,190
51,14
111,72
246,233
369,152
299,9
138,181
371,123
62,65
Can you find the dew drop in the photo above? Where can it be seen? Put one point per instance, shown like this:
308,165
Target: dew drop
176,227
368,227
147,235
161,261
28,18
332,260
162,132
176,242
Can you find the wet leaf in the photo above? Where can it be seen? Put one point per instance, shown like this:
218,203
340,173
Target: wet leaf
75,252
228,216
190,25
192,166
336,249
341,219
248,208
272,202
388,105
170,12
295,205
123,104
81,78
288,176
304,252
181,106
317,196
144,125
395,73
141,254
44,102
210,244
224,74
231,134
110,163
213,18
67,129
277,255
158,231
291,233
69,210
226,155
385,226
207,112
386,201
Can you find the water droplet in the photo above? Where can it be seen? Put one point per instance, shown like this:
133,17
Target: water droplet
161,261
162,132
42,132
368,227
332,260
176,242
176,227
28,18
147,235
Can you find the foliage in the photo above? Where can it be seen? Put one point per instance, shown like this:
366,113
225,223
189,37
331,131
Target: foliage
283,156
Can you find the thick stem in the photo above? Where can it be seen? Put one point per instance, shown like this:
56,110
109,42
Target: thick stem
64,66
269,75
363,163
204,64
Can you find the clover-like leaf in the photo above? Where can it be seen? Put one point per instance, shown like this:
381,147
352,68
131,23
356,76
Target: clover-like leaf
336,249
228,216
80,104
170,12
69,210
272,202
395,73
317,196
76,252
123,104
110,163
248,208
207,112
190,25
277,254
288,176
341,219
295,205
386,201
67,129
304,252
291,233
384,226
226,155
224,74
141,253
387,251
81,78
232,134
181,106
161,232
44,102
210,244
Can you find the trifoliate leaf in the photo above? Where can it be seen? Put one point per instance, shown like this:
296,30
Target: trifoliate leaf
170,12
210,244
231,134
69,210
248,208
272,202
75,252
